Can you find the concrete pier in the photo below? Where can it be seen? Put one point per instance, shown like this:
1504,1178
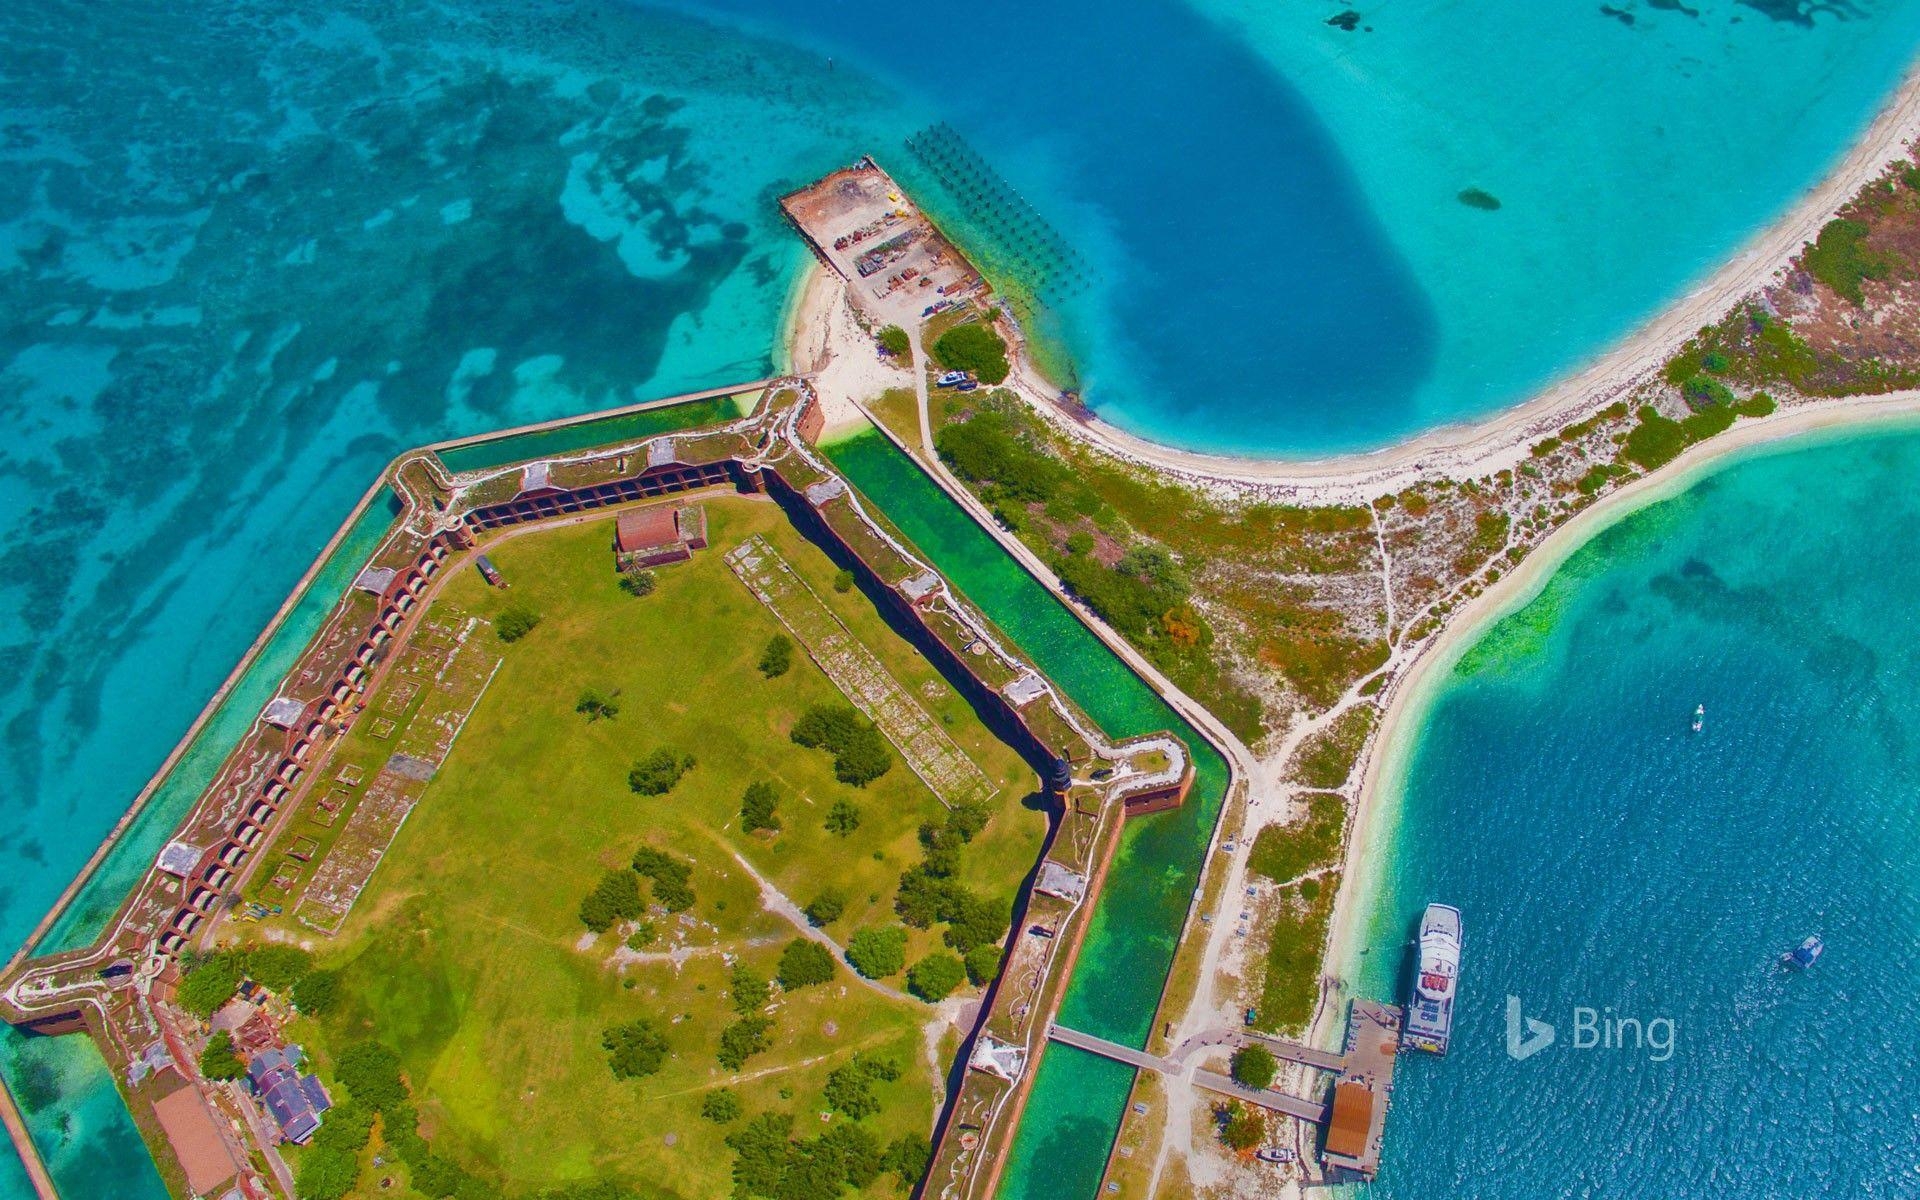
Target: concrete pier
1355,1122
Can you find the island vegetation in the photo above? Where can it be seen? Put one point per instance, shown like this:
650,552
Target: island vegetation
567,929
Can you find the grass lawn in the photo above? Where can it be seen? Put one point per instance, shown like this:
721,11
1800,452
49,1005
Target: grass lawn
467,953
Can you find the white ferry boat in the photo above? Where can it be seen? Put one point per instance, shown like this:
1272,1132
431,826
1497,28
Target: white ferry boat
1429,1024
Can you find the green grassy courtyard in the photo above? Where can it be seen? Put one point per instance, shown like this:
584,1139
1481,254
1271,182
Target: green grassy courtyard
467,954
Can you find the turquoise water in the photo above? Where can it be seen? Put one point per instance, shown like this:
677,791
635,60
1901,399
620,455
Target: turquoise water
1604,856
228,297
1269,205
1077,1099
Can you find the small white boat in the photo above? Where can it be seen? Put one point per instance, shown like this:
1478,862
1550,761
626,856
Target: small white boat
1699,717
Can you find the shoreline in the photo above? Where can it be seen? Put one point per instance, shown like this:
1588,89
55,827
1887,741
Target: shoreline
1386,758
1501,439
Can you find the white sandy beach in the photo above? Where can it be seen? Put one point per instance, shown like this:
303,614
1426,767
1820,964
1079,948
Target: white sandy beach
1482,447
1418,676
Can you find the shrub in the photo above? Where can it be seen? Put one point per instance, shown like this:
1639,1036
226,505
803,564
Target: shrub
1707,422
317,992
974,348
721,1106
210,983
278,967
893,340
749,990
777,658
1703,392
843,581
743,1039
1839,258
878,953
934,977
670,876
756,807
982,963
638,583
843,818
635,1049
804,963
1757,405
826,908
643,935
326,1174
597,704
656,774
1243,1128
860,751
371,1072
1255,1066
218,1061
614,899
516,621
1655,441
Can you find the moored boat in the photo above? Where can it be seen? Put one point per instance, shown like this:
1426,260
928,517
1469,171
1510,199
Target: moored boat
1805,954
1429,1024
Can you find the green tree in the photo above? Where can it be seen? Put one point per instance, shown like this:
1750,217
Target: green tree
1254,1066
757,807
210,983
878,953
983,963
597,704
750,991
672,889
516,621
326,1174
893,340
804,963
348,1128
843,581
277,966
1242,1127
317,992
907,1156
218,1061
843,818
639,582
743,1039
371,1071
860,751
644,934
826,908
849,1089
722,1105
635,1048
614,899
934,977
974,348
777,658
658,772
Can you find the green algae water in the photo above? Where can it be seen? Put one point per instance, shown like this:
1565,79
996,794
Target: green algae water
566,439
1077,1100
1606,857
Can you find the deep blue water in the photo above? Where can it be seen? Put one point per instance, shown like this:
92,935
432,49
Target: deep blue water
1605,856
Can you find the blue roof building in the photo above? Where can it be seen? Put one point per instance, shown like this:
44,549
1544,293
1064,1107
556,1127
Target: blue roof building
295,1100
